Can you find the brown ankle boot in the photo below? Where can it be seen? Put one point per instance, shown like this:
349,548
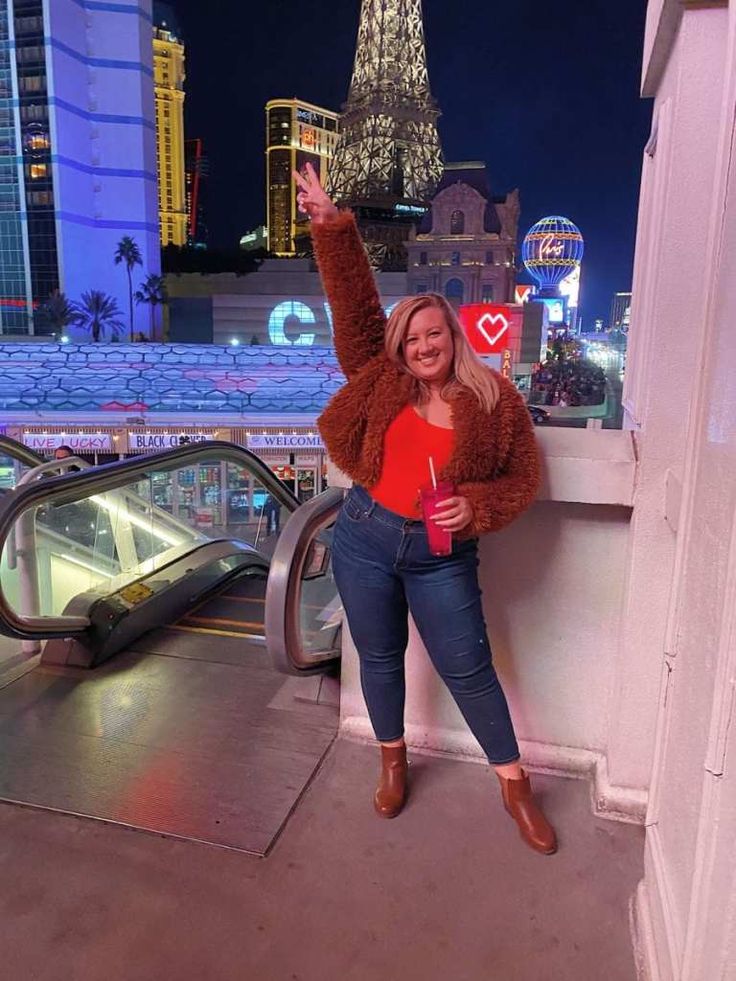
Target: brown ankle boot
535,829
391,791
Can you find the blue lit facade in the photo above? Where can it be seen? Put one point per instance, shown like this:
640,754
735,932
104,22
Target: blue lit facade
552,249
79,171
15,289
188,380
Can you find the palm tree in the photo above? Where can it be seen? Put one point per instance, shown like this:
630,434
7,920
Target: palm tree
153,292
98,312
129,253
58,312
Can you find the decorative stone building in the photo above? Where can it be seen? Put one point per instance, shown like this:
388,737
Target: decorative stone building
465,246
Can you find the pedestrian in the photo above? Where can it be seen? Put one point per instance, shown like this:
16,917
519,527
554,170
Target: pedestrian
272,513
416,389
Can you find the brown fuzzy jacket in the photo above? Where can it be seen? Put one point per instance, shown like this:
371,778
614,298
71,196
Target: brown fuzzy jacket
495,462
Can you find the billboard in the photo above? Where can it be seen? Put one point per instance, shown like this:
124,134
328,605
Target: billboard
555,309
490,326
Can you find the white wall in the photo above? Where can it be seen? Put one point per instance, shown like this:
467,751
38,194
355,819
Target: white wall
666,329
684,327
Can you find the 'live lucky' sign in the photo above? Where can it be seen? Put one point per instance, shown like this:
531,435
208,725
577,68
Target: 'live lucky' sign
78,442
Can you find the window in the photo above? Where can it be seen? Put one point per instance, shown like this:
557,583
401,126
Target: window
489,258
36,141
457,223
38,171
33,83
422,258
455,259
28,25
454,291
40,199
486,293
33,113
32,55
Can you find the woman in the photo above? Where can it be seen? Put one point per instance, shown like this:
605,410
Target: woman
415,388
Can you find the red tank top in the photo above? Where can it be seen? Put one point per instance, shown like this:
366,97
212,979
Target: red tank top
407,446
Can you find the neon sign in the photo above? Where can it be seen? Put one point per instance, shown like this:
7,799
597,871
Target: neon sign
497,323
288,310
489,328
295,314
551,248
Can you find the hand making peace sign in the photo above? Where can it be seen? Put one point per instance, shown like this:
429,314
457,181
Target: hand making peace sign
311,197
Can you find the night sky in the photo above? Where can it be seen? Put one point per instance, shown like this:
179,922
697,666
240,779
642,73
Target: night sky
546,93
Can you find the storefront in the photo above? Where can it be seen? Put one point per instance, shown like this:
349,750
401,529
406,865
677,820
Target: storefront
210,494
298,459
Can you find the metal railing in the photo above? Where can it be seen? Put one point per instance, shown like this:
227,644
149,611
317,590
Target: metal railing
296,548
10,447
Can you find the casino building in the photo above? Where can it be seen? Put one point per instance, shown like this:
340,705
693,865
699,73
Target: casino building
108,401
78,167
296,133
465,247
168,66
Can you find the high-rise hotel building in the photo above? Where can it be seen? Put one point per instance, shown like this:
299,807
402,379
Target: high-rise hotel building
168,67
296,133
77,150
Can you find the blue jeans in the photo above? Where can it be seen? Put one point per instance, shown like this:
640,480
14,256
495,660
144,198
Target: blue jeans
384,569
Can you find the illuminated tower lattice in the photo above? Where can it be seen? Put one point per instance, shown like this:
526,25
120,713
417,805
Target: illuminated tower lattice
388,159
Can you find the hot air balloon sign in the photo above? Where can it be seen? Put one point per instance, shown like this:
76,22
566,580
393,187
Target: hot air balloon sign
552,250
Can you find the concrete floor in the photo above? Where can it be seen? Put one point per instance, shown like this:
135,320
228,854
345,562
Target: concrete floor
446,892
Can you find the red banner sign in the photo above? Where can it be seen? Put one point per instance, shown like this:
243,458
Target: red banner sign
487,326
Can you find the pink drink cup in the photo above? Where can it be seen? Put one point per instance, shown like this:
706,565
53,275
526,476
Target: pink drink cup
440,539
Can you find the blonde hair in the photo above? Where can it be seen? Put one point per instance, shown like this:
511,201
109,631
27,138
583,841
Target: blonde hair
468,371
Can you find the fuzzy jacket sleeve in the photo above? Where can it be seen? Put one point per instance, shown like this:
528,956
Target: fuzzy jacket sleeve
497,502
358,319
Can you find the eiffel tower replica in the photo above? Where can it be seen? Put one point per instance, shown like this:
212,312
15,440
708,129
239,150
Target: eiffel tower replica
388,160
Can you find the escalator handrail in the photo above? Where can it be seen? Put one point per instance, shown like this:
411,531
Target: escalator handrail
50,466
283,591
12,448
70,487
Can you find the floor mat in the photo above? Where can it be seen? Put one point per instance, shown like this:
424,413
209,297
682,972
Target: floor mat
183,736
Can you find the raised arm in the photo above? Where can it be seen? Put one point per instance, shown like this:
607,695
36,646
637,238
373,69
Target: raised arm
358,319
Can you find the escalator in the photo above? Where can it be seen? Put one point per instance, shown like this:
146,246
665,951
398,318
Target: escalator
237,611
214,649
89,562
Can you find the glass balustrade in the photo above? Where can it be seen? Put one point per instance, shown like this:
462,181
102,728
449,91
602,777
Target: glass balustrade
69,544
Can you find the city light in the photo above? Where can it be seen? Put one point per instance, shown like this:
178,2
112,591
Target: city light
552,250
235,342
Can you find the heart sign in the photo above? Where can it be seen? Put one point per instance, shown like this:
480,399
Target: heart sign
490,323
490,327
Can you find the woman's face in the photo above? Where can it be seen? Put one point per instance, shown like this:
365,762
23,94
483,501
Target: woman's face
428,346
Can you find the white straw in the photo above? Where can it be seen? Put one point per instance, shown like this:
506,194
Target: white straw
431,470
